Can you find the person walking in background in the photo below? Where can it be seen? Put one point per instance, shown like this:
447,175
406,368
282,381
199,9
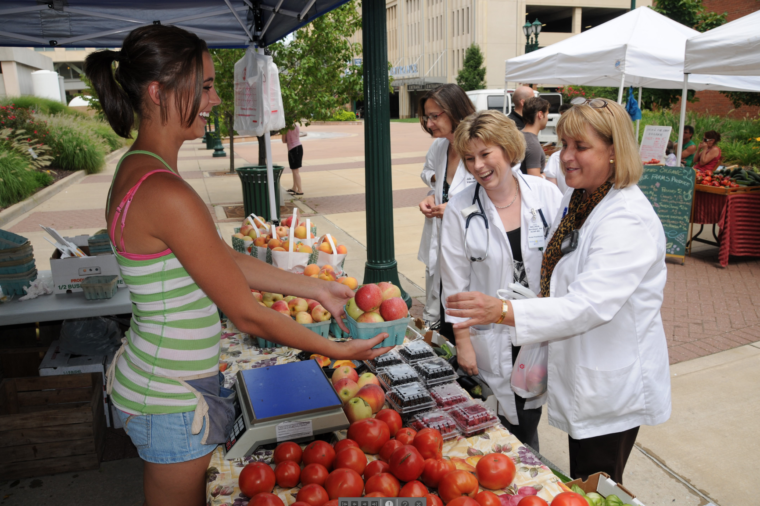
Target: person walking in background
708,154
689,147
519,97
440,112
536,116
295,157
553,171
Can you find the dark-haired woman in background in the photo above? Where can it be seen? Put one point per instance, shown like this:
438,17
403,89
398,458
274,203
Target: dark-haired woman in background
440,112
708,154
164,380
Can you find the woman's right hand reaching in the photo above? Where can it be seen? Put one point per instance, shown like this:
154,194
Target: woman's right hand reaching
427,205
359,349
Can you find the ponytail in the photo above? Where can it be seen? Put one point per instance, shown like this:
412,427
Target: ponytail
113,99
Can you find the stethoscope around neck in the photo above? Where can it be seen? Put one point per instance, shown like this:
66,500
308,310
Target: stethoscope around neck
476,210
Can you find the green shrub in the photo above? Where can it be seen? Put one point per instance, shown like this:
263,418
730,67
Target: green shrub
737,152
344,115
17,181
41,105
74,146
43,178
730,129
104,131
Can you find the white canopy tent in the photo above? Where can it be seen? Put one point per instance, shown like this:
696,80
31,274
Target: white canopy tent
730,50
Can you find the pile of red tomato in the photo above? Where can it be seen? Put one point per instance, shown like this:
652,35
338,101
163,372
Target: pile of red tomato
410,464
707,178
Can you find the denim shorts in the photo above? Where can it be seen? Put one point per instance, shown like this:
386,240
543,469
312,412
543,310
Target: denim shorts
165,439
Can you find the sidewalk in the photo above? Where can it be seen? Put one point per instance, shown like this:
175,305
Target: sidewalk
706,452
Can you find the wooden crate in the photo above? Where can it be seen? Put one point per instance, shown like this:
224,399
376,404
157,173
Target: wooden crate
51,424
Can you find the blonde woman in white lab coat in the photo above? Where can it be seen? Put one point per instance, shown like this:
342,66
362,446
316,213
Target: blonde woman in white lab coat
602,281
440,112
519,210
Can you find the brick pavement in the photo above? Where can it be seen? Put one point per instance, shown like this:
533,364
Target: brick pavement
357,201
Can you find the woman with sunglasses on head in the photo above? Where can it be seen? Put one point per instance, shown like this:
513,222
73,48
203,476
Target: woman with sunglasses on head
440,112
602,280
165,378
708,154
493,235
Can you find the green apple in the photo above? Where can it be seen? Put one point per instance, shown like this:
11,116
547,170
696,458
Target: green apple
353,310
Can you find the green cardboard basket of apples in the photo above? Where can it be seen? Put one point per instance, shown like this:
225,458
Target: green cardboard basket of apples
378,308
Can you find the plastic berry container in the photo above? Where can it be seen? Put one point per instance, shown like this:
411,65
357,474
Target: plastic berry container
417,351
409,397
436,371
448,396
397,375
384,360
439,420
473,417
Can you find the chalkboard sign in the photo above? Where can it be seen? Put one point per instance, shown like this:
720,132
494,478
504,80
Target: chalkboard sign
671,192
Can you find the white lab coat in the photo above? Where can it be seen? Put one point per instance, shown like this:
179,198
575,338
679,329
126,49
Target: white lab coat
608,359
492,343
435,165
554,170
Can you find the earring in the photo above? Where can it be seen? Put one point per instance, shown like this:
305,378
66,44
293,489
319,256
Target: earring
612,161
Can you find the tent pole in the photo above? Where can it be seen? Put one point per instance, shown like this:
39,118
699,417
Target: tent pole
683,117
620,91
638,120
274,213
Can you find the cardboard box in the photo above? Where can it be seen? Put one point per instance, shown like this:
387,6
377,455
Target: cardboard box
68,273
57,363
604,486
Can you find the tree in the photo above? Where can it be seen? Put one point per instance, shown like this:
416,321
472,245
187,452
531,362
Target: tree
690,13
89,96
473,74
224,83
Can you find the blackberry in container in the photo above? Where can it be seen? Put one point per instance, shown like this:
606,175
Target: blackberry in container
449,395
396,375
409,397
384,360
416,351
436,371
473,417
436,419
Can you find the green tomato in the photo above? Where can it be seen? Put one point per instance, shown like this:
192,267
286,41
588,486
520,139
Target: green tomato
578,490
595,499
613,500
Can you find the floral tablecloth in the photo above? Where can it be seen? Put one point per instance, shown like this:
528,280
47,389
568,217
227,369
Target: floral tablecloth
239,352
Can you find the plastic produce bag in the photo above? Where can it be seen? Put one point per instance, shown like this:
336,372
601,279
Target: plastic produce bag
251,111
90,336
336,260
260,228
292,260
277,112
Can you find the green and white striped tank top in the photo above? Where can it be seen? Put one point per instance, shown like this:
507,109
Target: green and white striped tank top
174,332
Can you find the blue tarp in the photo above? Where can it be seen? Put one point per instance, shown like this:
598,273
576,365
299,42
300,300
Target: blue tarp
105,23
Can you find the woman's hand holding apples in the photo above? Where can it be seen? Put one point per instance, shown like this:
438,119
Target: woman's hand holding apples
359,349
333,296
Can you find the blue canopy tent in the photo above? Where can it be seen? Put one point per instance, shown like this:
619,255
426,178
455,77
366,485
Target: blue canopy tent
226,24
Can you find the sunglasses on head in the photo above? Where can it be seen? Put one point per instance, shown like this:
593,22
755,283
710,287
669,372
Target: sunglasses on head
594,103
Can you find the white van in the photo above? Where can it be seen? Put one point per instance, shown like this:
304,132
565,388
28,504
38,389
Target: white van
501,100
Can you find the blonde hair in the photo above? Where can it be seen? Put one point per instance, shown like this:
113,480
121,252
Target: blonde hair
491,127
613,125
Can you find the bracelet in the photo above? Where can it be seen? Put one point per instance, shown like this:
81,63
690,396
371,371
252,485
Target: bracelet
504,311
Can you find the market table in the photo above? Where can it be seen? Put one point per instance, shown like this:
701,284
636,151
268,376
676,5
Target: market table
736,215
62,307
239,352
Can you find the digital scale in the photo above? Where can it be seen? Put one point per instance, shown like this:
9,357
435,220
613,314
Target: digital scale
287,402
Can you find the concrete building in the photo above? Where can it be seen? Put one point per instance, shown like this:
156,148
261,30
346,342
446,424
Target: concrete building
16,67
69,63
427,39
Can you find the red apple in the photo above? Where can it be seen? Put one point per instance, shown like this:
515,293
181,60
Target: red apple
357,409
369,298
374,395
298,305
312,304
389,290
345,372
368,379
281,307
320,314
371,317
346,389
393,309
303,318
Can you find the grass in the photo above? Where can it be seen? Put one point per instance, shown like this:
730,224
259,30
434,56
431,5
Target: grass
17,180
73,145
41,105
104,131
406,120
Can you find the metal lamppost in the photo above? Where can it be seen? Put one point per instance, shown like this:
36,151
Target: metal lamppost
218,148
531,31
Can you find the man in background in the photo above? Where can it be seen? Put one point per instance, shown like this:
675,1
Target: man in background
689,148
519,97
536,116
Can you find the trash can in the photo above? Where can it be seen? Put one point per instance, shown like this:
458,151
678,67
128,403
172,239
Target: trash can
256,192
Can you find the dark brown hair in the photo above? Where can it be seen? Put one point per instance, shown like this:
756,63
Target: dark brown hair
452,99
533,106
169,55
712,134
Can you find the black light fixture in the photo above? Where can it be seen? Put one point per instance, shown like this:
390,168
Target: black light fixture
531,31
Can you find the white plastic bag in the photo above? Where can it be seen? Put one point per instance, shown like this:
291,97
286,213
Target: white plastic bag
277,113
259,252
290,260
529,372
336,260
251,111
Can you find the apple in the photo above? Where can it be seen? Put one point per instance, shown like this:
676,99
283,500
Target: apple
327,275
279,248
374,395
325,247
342,250
353,310
389,290
350,282
302,248
368,379
286,245
245,229
281,307
252,233
238,235
260,241
289,298
300,232
274,243
369,297
311,269
248,239
328,266
357,409
298,305
393,309
345,372
320,314
257,296
270,298
312,304
370,317
303,318
287,222
259,222
346,389
282,231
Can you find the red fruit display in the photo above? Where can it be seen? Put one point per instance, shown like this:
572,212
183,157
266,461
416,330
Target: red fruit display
265,499
568,499
388,448
376,467
314,474
406,463
332,502
486,498
434,470
344,483
287,474
532,500
256,478
313,495
393,309
406,435
350,458
432,500
372,395
495,471
288,451
368,298
456,484
319,452
374,494
344,443
413,489
384,483
392,418
429,442
371,434
463,501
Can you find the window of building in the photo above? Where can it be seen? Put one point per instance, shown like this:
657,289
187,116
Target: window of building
468,20
554,19
591,17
